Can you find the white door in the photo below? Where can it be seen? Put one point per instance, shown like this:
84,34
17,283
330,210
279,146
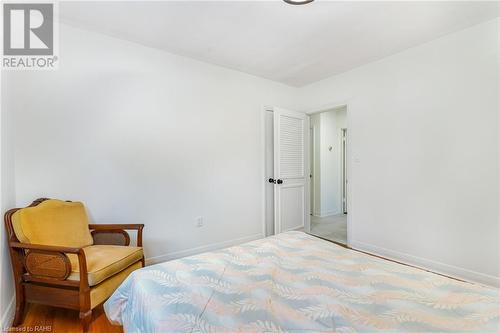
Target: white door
291,170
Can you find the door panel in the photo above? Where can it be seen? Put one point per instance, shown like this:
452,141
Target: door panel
292,206
291,170
291,145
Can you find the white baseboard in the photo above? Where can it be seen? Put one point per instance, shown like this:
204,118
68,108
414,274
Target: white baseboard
201,249
300,228
8,316
427,264
327,213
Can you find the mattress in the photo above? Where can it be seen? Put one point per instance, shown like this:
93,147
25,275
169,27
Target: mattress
294,282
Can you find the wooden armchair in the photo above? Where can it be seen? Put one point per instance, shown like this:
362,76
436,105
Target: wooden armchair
59,259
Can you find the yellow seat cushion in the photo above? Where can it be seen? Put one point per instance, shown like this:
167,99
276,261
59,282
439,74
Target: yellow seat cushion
104,261
53,222
103,290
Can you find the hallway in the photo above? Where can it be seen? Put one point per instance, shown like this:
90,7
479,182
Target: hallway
332,227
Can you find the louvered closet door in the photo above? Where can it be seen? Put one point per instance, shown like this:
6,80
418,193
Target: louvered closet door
291,172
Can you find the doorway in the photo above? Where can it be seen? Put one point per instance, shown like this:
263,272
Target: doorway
328,156
307,188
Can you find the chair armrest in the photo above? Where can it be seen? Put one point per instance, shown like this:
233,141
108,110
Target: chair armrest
116,226
119,228
55,252
49,248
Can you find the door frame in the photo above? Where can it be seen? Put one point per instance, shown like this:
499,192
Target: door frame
349,164
307,221
312,167
344,173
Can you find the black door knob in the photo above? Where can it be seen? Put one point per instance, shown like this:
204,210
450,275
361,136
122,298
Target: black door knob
272,180
279,181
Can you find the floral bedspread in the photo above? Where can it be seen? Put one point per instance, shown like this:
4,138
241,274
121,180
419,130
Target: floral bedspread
294,282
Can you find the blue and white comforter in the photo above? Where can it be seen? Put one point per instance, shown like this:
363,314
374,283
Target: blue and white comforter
294,282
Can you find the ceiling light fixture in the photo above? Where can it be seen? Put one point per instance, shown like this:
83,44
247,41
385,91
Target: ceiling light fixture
300,2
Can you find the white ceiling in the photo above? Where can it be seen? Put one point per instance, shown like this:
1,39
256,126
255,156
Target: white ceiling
295,45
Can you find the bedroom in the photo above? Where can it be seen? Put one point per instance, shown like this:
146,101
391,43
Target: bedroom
162,123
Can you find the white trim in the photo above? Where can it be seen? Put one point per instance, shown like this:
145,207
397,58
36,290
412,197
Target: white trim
427,264
201,249
299,228
8,316
328,213
326,107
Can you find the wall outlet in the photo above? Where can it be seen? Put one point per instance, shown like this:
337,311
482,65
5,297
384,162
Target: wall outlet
199,222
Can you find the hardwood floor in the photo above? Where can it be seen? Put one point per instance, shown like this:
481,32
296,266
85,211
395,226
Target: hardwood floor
57,320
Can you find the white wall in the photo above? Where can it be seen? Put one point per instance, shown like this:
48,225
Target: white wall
7,200
424,152
329,163
340,123
141,135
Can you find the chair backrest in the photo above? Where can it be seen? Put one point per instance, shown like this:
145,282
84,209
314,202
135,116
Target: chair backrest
53,222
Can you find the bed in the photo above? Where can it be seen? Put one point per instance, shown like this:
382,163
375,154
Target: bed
294,282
